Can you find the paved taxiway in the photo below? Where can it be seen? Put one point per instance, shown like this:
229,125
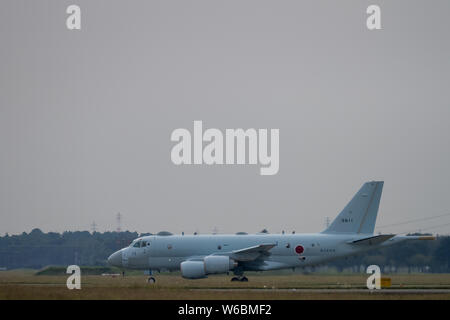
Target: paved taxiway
382,291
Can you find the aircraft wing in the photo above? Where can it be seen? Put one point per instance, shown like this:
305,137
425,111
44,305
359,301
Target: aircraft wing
373,240
251,253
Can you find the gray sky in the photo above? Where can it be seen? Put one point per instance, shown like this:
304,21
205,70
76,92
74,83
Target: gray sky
86,116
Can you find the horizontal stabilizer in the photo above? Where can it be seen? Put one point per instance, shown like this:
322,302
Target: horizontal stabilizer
374,240
426,238
415,238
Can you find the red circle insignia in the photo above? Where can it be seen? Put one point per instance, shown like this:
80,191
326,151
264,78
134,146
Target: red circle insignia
299,249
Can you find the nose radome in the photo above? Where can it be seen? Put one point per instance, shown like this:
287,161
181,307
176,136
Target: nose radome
116,259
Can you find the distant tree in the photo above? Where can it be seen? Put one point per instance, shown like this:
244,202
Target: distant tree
442,254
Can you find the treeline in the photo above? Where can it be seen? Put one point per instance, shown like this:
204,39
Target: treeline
410,256
37,249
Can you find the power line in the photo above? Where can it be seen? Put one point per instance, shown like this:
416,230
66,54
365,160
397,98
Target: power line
428,228
414,220
327,222
119,219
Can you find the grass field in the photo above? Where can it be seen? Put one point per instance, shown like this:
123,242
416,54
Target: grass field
26,285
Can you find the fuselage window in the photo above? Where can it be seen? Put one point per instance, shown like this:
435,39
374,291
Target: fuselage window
137,244
288,245
219,247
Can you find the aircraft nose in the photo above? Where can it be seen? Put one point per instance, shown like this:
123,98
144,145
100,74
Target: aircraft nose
116,259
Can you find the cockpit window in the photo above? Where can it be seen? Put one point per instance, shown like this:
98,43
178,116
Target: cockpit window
145,244
140,244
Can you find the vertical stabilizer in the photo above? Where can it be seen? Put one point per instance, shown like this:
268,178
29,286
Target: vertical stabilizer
360,214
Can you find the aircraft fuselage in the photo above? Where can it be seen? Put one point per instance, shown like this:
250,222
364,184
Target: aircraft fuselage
290,250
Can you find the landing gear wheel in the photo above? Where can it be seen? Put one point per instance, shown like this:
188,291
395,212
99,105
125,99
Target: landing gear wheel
151,280
241,279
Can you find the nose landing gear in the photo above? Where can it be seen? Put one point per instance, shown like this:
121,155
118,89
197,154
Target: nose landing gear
151,279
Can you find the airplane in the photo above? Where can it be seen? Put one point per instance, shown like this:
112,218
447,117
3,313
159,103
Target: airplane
198,256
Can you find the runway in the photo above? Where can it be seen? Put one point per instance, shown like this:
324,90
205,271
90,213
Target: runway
365,291
26,285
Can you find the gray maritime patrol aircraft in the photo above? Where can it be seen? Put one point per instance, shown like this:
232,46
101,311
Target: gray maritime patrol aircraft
200,255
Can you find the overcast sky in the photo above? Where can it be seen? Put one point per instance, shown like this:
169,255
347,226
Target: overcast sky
86,116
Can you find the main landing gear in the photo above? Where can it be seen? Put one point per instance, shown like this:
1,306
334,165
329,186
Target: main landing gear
240,278
239,275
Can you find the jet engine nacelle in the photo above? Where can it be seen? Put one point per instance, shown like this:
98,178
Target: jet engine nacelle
193,269
218,264
209,265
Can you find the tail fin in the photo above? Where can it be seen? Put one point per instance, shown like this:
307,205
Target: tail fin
360,214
